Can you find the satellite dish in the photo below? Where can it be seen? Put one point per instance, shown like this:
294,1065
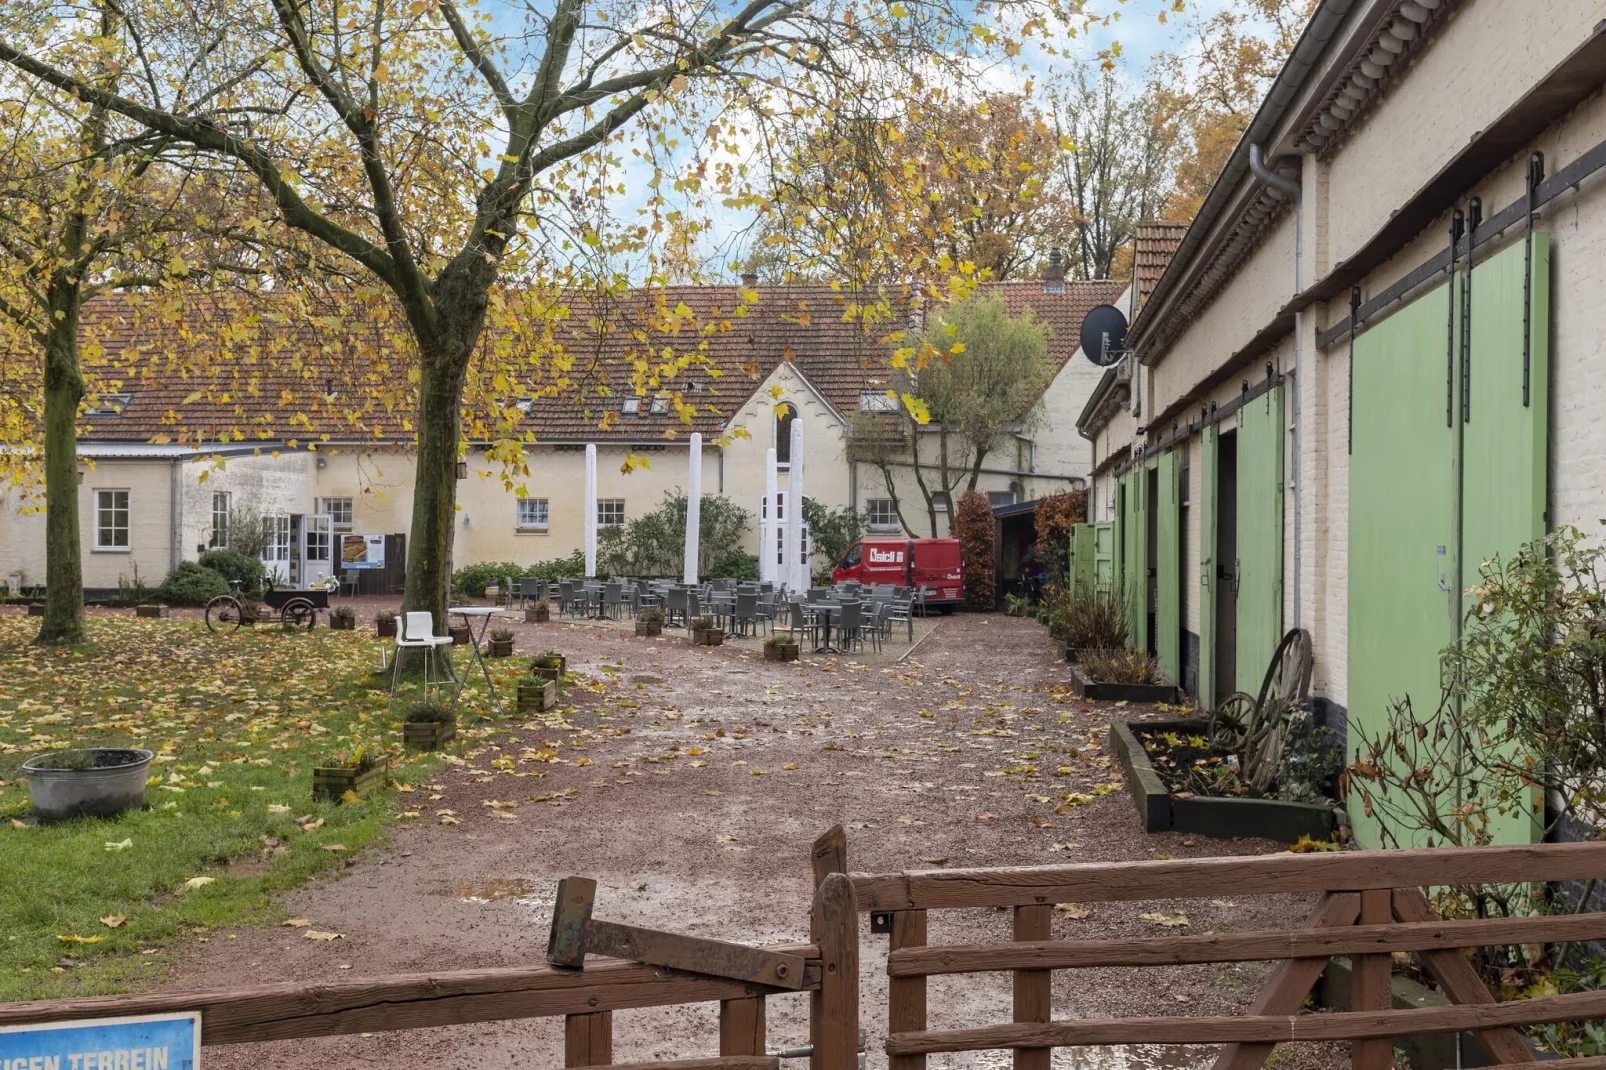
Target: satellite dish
1103,334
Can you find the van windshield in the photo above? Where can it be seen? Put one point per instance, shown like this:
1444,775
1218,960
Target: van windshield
854,553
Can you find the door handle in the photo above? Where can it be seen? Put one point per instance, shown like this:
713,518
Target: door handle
1204,572
1444,583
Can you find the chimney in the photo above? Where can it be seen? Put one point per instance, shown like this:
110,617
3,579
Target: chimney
1054,274
749,279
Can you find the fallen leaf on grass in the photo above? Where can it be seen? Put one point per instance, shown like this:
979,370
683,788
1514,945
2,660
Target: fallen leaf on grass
939,860
278,808
295,923
349,796
408,815
120,845
18,824
1071,910
314,934
113,921
1170,921
308,824
405,788
199,882
334,847
71,939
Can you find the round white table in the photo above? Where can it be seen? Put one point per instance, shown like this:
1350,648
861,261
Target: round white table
485,613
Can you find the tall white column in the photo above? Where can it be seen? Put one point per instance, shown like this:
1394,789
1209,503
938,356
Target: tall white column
794,571
694,505
591,511
767,527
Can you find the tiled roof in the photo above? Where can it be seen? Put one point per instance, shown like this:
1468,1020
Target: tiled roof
1157,241
341,376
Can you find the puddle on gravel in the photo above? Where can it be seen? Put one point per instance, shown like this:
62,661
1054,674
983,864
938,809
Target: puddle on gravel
492,891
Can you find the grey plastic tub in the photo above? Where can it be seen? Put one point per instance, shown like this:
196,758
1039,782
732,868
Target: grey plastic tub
116,783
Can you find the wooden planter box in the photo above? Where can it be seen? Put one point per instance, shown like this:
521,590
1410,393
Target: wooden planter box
334,783
37,609
428,735
337,625
541,672
460,636
1093,689
500,648
781,653
645,629
537,614
537,698
139,611
385,629
708,637
1222,818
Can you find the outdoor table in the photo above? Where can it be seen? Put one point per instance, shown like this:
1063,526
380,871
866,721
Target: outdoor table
468,613
826,608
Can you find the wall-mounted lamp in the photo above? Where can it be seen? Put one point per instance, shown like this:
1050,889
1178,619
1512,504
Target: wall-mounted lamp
323,462
462,469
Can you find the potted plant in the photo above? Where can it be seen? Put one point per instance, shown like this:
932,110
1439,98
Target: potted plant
1015,605
430,725
460,633
548,665
358,772
780,648
537,694
148,609
94,781
385,623
502,643
343,619
539,613
651,622
36,609
705,631
1120,675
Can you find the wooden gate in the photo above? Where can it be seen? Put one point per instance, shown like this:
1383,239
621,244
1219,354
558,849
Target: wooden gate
1371,907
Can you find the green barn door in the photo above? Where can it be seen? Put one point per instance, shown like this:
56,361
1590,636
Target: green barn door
1260,535
1137,558
1401,523
1082,556
1104,556
1206,698
1168,569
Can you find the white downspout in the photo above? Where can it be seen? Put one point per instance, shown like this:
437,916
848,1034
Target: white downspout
1291,189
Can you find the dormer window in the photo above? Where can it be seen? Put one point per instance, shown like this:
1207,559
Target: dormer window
109,405
877,401
660,406
630,407
524,404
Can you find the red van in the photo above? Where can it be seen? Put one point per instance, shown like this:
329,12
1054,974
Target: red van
930,566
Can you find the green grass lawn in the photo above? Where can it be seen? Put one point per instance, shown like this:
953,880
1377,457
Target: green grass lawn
237,723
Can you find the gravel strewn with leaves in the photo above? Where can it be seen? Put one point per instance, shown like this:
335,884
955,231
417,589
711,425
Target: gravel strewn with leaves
689,782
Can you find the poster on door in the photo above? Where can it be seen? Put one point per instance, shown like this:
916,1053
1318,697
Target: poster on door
362,551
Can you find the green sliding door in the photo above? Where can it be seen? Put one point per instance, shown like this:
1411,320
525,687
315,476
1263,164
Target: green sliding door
1260,536
1206,697
1168,567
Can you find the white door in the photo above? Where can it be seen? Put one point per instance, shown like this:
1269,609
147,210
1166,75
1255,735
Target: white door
276,547
317,548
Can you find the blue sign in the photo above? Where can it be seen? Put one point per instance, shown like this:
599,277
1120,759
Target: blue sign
153,1042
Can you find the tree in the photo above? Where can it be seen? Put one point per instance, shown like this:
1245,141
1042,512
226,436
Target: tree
975,529
654,544
1113,172
831,531
369,125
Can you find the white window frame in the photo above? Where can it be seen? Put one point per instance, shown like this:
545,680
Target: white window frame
783,453
276,548
317,547
871,400
521,522
220,532
101,529
660,405
336,506
999,495
888,507
612,505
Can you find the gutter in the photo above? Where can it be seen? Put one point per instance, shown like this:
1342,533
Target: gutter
1324,24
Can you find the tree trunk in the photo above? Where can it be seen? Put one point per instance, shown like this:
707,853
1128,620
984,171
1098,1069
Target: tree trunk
429,542
975,469
64,389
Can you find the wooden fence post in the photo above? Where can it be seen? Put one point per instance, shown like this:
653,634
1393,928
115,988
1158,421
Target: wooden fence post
588,1039
1034,993
906,996
827,855
1369,984
834,1018
741,1026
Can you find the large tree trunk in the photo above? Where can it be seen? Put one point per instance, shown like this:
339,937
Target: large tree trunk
429,543
64,389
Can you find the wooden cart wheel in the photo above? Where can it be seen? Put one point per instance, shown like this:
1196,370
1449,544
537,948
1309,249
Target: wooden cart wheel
299,613
223,613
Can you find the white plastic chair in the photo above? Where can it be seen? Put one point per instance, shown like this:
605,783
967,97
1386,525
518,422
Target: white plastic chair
417,630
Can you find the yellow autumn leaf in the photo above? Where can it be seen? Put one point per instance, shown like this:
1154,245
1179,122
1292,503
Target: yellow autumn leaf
199,882
113,921
71,939
120,845
278,808
1071,910
314,934
1170,921
349,796
296,923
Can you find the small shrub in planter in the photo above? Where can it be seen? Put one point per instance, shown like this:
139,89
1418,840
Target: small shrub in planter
705,631
1126,666
430,725
36,609
359,773
780,648
537,695
502,643
95,781
148,610
539,613
459,633
548,665
651,622
343,618
385,623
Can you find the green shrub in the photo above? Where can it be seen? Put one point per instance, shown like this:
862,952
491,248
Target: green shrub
192,584
234,566
1089,619
736,566
473,579
431,711
1121,667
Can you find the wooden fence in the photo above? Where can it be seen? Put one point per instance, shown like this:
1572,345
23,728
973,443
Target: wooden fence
1371,906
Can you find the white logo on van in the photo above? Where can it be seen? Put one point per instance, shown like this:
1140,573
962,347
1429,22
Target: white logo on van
886,557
